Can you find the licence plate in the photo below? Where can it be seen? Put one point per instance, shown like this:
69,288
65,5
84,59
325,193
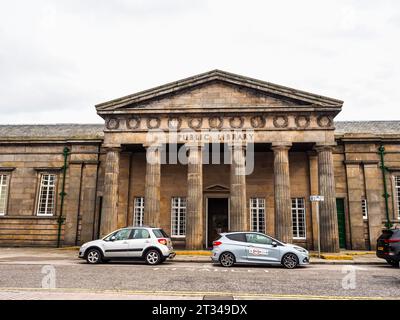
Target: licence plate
380,248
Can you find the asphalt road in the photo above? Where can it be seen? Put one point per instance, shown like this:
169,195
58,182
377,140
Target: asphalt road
30,278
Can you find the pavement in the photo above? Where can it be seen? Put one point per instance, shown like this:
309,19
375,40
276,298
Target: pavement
46,273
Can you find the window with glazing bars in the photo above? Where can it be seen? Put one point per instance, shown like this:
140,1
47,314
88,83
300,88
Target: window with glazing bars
178,216
138,211
364,208
299,218
397,186
257,214
4,178
47,192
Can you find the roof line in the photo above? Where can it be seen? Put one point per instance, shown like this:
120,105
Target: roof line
216,75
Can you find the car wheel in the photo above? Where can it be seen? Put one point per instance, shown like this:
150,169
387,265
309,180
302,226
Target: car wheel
393,263
153,257
227,259
93,256
290,261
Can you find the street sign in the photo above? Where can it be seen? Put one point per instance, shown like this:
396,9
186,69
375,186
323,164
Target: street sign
316,198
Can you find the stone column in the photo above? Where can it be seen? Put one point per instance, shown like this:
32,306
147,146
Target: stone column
194,215
313,167
109,212
152,186
283,202
239,217
327,208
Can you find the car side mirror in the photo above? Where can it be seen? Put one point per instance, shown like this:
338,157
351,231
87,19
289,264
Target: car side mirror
274,244
112,238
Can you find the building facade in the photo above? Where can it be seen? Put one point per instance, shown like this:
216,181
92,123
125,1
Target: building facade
203,155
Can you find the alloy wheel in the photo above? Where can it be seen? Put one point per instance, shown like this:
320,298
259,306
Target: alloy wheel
227,259
93,256
152,257
290,261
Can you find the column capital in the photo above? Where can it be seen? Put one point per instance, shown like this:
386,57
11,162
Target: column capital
324,147
276,146
154,145
237,145
115,148
194,145
311,153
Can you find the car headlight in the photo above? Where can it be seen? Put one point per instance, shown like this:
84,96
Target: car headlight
300,249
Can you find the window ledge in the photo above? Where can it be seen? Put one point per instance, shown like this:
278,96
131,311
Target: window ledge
28,217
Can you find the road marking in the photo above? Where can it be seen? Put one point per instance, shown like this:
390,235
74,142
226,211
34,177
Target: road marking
198,293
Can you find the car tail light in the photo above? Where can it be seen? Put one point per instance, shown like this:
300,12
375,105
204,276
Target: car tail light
216,243
391,240
163,241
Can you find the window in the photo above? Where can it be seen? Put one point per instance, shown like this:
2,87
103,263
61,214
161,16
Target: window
397,191
241,237
178,216
258,238
160,233
47,192
257,214
138,211
123,234
140,234
364,208
299,218
4,179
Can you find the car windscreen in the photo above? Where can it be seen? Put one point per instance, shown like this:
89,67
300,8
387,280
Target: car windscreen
237,237
160,233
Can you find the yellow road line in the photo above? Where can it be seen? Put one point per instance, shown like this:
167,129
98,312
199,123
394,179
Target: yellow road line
200,293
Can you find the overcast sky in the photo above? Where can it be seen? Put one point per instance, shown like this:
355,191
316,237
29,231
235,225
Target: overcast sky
60,58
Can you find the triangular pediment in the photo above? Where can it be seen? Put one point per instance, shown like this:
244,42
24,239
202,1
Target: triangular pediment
217,89
216,188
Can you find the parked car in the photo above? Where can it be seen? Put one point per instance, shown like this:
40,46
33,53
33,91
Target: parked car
152,245
256,248
388,246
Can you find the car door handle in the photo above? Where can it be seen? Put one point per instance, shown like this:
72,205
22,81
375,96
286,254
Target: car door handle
125,242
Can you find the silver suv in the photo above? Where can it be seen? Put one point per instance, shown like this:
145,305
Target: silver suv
150,244
256,248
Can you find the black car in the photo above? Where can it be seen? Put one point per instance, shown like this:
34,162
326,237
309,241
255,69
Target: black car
388,246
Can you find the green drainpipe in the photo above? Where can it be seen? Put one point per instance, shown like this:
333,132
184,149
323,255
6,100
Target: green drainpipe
386,195
61,219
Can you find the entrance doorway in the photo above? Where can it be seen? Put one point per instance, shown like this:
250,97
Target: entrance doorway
341,222
217,218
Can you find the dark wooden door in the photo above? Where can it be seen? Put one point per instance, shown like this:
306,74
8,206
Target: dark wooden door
341,222
217,218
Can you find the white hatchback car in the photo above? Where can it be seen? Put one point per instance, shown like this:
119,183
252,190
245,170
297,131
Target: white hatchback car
152,245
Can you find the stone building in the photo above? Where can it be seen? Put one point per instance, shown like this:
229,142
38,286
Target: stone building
254,152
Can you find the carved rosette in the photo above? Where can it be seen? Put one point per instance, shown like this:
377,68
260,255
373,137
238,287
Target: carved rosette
153,123
281,121
112,124
195,123
133,123
302,121
174,123
236,122
324,121
215,122
257,121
